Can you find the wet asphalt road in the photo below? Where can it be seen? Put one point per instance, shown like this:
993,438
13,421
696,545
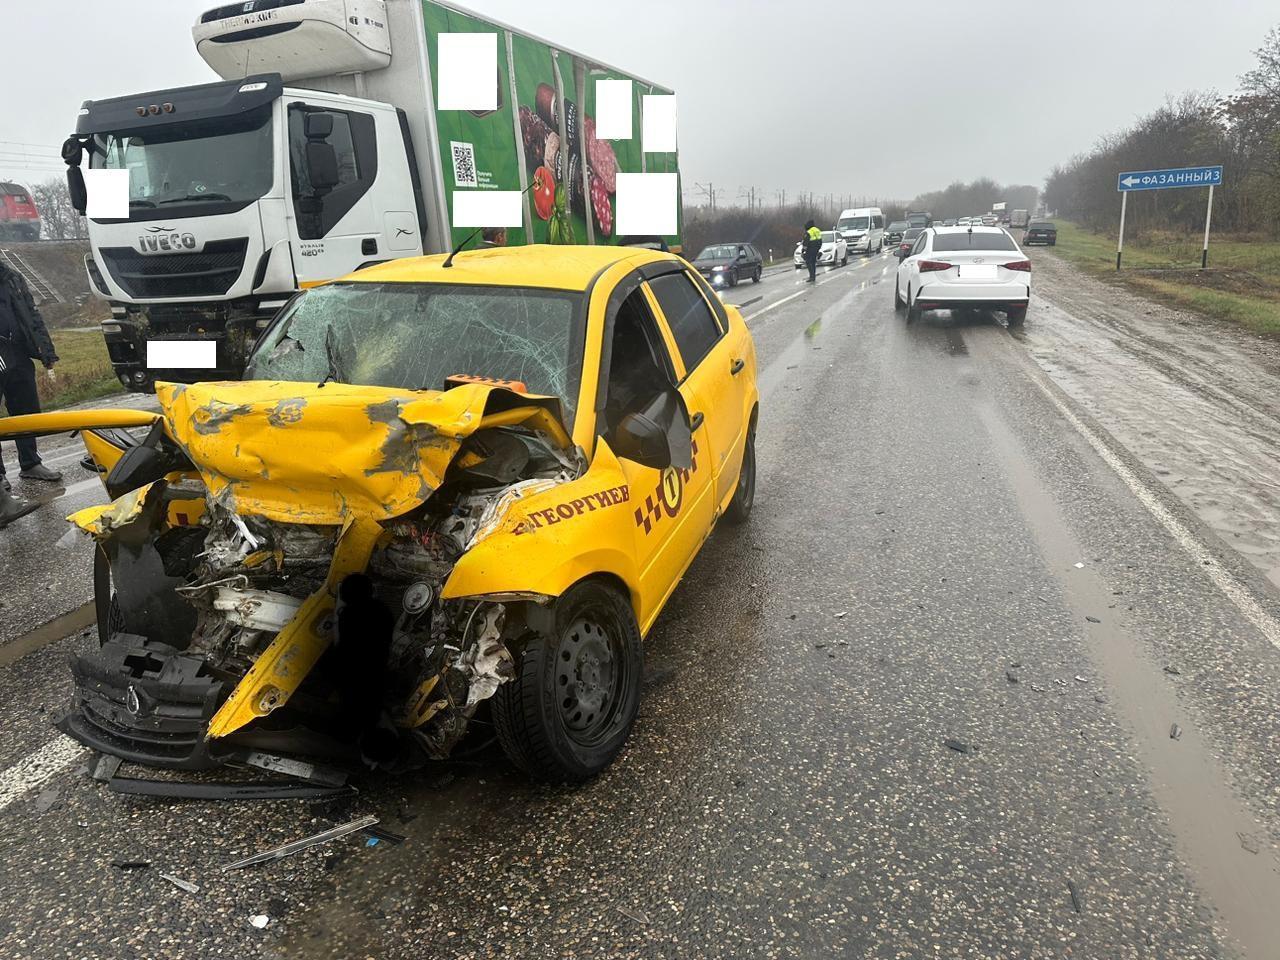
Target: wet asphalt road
946,546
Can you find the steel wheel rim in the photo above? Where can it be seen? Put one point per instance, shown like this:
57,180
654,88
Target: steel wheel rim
591,673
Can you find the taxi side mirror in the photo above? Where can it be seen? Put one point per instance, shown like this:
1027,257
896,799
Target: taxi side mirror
659,436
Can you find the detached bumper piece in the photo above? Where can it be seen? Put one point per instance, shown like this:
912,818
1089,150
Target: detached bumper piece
185,790
145,702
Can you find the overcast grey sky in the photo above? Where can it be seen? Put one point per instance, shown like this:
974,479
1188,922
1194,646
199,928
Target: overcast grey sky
879,98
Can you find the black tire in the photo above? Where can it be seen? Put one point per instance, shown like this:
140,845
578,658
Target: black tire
739,511
733,277
1017,316
539,714
914,313
106,606
898,303
758,275
1053,243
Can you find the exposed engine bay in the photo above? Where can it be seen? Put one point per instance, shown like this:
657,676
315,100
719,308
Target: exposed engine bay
203,597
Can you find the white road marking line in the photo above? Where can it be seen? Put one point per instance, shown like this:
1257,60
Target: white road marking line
1235,591
778,303
36,768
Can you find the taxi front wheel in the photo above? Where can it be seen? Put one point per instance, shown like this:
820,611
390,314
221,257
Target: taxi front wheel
570,707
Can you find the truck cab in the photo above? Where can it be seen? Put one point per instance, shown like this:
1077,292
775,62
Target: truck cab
240,193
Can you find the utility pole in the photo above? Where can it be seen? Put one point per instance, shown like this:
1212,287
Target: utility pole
782,199
710,191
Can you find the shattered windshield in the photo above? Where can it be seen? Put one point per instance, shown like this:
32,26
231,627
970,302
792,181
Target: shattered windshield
415,335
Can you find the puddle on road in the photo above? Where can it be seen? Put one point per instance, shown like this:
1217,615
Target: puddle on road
1186,781
1197,405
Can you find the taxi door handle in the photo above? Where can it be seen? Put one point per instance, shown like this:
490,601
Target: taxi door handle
735,368
695,422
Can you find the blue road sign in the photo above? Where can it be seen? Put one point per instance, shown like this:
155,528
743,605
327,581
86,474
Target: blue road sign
1169,179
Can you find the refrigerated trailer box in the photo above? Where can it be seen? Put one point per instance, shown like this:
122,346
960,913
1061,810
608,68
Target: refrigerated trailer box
323,150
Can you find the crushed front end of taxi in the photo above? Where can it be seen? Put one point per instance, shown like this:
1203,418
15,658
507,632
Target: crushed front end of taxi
277,569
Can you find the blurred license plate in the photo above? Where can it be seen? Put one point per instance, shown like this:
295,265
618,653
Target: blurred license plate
977,271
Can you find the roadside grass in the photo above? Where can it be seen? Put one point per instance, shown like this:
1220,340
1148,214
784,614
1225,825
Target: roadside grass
1241,285
83,371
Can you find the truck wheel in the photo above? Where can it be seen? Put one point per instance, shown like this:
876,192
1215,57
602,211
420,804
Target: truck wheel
570,707
744,497
1017,316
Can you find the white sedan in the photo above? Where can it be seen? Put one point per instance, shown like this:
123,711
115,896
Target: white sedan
835,251
951,268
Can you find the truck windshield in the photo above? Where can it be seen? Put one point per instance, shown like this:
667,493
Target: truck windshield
415,335
223,159
853,223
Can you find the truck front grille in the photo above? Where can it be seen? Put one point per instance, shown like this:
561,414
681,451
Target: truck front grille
209,273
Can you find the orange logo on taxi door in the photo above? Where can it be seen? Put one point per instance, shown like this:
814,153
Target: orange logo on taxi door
667,496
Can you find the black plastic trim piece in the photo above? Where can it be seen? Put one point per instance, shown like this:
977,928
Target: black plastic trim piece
419,204
201,102
178,789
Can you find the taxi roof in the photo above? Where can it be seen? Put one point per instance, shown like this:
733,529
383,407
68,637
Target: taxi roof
546,266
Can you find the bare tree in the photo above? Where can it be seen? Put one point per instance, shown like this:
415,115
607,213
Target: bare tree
53,200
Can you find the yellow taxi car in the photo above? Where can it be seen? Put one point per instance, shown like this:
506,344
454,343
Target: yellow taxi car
441,488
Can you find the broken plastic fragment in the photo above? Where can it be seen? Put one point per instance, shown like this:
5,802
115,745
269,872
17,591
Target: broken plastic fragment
259,921
181,884
286,849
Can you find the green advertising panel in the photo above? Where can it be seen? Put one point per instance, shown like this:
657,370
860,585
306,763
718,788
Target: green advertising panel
477,148
541,139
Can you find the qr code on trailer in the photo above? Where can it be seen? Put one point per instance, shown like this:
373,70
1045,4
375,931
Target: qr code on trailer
464,164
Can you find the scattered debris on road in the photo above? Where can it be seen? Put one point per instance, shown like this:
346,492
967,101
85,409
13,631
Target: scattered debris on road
1093,619
47,798
1075,896
1247,842
181,884
259,921
288,849
131,864
1011,676
1175,732
631,913
959,746
1174,671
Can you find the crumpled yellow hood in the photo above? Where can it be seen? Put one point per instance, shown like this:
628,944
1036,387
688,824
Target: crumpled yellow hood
301,453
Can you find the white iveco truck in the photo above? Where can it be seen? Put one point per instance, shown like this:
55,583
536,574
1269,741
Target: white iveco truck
245,190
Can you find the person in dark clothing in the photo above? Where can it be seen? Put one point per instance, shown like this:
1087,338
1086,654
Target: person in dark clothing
811,250
23,338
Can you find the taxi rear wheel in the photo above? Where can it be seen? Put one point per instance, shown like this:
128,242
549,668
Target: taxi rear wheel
576,692
745,496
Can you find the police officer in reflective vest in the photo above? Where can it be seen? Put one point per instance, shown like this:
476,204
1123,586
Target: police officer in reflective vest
812,247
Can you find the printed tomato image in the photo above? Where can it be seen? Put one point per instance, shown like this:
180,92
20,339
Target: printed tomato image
544,192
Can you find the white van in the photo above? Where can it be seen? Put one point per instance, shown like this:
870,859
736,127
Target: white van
862,229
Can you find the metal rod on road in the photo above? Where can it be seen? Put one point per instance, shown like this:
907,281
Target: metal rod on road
1124,201
1208,213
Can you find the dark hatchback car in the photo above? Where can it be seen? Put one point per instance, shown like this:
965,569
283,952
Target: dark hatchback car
893,232
1040,231
724,264
908,241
